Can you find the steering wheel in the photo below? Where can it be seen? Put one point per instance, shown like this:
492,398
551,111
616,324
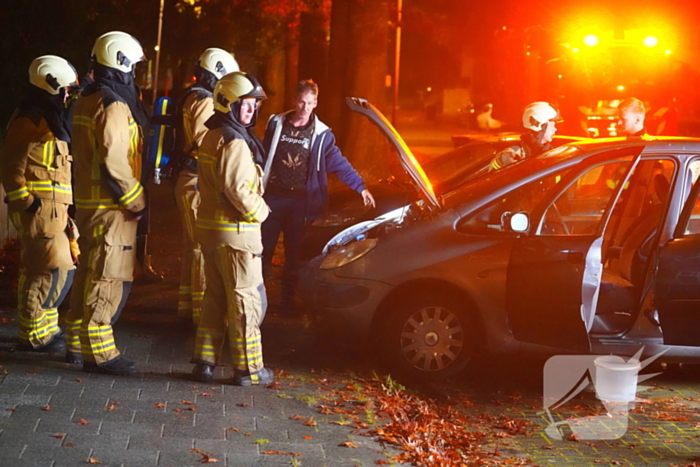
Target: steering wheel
558,219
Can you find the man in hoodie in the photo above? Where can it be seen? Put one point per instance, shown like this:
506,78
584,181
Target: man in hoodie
197,107
228,228
300,151
108,124
36,174
540,120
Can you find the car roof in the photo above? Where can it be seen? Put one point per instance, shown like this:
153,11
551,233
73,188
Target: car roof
653,143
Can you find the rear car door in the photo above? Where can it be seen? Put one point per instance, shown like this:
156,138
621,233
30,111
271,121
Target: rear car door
677,281
555,269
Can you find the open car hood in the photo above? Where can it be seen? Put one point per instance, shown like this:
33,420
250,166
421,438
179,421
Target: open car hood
406,157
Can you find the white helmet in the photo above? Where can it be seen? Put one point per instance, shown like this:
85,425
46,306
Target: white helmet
51,73
218,61
118,50
235,86
538,113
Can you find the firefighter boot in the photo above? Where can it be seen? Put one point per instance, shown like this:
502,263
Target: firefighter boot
203,373
120,366
246,378
74,358
56,346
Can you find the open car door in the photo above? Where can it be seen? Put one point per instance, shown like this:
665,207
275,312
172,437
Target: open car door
555,269
677,281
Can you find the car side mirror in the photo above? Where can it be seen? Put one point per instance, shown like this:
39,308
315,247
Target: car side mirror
519,222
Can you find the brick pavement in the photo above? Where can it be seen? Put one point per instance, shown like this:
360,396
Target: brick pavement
52,414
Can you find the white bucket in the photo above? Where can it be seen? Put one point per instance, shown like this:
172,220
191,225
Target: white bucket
615,378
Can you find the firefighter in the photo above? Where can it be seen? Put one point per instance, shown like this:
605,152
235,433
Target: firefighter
540,120
228,228
108,126
36,174
197,107
631,121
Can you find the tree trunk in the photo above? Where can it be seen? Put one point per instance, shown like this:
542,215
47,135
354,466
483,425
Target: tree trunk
366,72
274,86
332,105
291,61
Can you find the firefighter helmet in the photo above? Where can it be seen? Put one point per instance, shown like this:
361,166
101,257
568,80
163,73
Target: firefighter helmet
51,73
235,86
218,61
538,113
118,50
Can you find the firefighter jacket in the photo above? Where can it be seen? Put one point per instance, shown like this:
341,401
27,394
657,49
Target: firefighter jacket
107,144
527,147
34,163
230,184
196,110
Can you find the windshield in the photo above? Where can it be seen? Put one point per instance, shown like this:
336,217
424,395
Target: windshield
471,161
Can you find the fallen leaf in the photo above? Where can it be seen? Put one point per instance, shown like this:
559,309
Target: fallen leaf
274,385
82,421
341,422
59,435
159,405
348,444
308,437
69,445
310,422
177,410
613,462
198,451
296,417
187,402
46,408
79,380
233,429
92,460
4,321
192,409
248,434
242,404
207,459
206,394
281,453
10,410
111,407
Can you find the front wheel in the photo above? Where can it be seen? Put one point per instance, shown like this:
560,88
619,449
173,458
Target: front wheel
429,338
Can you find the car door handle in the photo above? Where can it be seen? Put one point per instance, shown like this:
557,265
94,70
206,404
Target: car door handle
574,257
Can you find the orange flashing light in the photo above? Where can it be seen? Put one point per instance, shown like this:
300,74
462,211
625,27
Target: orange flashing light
591,40
651,41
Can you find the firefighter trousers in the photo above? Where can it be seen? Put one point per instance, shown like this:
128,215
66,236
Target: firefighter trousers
102,282
46,274
192,281
234,299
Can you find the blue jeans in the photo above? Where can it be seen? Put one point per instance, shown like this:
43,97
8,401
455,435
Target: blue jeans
287,216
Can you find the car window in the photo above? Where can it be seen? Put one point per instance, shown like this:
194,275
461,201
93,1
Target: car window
449,170
493,217
693,225
579,209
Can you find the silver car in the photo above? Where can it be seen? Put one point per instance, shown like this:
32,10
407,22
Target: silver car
590,247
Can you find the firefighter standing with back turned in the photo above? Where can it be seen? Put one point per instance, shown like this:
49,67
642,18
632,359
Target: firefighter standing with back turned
228,228
197,107
107,139
36,174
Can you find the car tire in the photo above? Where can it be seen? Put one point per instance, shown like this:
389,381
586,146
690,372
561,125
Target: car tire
429,338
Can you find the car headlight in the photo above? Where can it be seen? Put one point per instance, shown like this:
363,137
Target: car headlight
348,253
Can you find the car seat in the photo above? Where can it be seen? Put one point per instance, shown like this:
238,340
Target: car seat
622,279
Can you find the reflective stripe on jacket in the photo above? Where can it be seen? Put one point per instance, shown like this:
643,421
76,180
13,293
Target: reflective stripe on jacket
230,184
34,163
107,145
